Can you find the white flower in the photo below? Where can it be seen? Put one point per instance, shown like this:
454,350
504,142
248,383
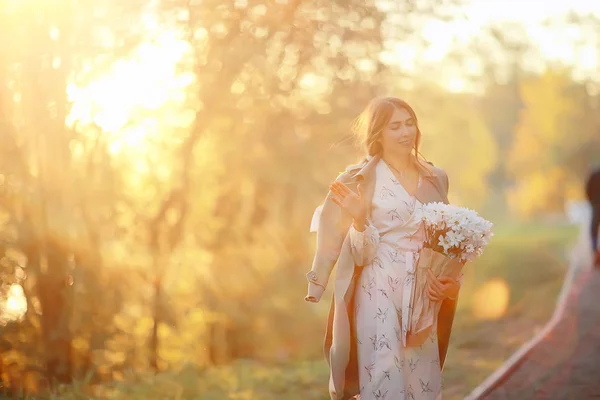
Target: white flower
455,238
444,243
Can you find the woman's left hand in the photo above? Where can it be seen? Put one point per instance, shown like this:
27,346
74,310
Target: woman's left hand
442,287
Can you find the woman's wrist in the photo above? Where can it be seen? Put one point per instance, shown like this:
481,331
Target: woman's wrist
360,224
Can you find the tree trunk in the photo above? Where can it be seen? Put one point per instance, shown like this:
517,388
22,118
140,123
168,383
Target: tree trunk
54,289
154,342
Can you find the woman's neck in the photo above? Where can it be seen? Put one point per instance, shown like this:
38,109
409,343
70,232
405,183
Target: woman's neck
400,162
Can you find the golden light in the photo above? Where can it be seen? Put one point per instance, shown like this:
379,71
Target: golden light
490,301
567,44
15,305
314,84
456,84
124,101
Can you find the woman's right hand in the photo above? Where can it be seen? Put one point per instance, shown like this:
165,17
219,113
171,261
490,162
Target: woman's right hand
353,203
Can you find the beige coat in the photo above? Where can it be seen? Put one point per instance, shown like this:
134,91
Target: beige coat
333,247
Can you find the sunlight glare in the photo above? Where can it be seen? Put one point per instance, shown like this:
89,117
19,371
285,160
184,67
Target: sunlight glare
133,90
455,84
15,305
491,300
314,83
568,45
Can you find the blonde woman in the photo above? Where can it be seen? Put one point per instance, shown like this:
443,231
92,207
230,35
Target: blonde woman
370,226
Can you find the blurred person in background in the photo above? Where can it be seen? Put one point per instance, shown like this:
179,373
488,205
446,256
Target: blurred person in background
592,190
370,225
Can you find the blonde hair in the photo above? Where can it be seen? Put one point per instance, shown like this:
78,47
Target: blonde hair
370,124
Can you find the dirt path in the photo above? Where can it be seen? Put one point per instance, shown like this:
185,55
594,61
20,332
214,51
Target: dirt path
566,363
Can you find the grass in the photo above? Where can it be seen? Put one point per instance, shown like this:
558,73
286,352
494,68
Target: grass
242,380
531,260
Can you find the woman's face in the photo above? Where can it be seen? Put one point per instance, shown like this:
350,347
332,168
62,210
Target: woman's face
400,135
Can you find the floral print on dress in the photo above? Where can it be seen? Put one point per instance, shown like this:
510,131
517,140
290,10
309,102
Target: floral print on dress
387,369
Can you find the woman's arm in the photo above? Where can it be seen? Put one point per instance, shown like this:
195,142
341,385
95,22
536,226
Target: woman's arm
364,243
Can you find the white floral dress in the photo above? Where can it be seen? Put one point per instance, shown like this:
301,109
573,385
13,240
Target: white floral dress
387,369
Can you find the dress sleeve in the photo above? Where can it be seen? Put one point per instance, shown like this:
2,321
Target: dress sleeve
364,244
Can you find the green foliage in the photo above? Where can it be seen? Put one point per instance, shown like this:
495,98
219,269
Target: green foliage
554,146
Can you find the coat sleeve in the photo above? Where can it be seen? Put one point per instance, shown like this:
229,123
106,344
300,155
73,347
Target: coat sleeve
332,226
448,308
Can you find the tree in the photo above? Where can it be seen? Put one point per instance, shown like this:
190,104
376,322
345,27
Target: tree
552,142
43,211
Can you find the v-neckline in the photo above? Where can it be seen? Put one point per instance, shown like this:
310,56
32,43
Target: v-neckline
397,181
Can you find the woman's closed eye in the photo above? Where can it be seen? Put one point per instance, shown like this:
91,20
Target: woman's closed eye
396,125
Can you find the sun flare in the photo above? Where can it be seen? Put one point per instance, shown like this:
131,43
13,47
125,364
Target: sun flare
15,305
491,300
125,100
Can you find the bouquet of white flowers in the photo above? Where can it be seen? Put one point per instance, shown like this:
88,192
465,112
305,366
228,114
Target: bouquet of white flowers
454,235
457,232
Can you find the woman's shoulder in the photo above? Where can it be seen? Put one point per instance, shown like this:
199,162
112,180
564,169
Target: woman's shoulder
440,174
438,171
350,172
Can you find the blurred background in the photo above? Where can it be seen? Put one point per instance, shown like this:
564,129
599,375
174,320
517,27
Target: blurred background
160,162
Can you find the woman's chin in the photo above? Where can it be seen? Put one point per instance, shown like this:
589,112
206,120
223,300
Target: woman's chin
402,151
398,148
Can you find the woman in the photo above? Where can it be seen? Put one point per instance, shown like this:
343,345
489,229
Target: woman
370,225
